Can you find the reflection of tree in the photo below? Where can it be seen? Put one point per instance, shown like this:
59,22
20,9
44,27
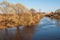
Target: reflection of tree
24,34
18,34
27,32
58,23
6,36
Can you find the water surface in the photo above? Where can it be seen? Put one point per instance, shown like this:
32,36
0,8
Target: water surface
47,29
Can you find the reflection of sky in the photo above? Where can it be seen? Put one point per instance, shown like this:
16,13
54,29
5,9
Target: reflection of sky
46,20
44,5
47,23
47,30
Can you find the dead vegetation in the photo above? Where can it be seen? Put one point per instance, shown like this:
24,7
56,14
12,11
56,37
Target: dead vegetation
14,15
14,20
53,15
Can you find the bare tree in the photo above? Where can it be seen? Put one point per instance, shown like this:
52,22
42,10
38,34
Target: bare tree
32,10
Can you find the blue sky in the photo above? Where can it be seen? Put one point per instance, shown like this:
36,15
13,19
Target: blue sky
44,5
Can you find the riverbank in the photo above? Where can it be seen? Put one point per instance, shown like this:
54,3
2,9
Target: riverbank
15,20
53,15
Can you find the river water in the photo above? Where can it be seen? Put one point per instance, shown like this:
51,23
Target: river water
47,29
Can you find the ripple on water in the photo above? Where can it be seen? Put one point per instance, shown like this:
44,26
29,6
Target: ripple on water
47,30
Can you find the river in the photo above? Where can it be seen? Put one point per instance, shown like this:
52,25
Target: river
47,29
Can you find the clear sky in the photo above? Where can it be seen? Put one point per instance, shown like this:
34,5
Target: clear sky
44,5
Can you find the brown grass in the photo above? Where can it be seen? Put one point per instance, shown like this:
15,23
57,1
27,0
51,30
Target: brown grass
14,20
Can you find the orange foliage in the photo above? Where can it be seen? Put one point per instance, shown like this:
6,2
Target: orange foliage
14,15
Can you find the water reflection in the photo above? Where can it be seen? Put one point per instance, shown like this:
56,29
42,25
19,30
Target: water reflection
47,29
17,33
57,21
